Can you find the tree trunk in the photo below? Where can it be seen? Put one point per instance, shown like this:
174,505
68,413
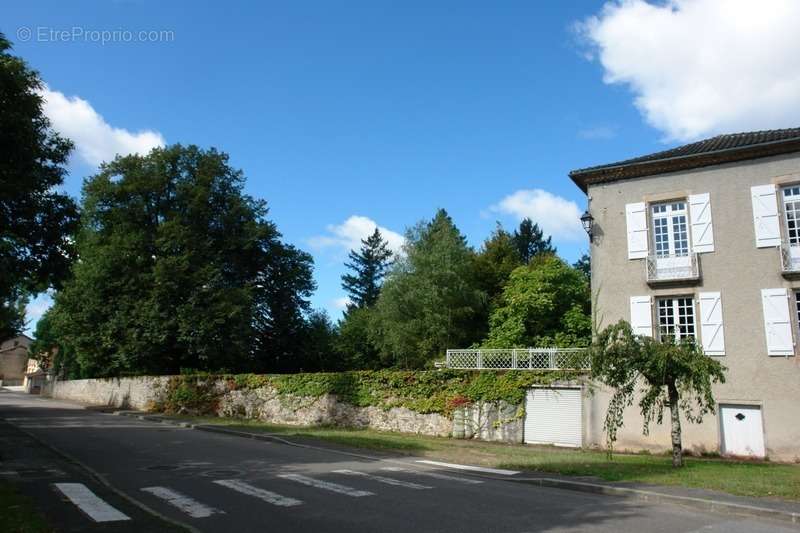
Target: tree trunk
677,449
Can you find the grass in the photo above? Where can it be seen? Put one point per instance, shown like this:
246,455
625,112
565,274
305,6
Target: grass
743,478
17,512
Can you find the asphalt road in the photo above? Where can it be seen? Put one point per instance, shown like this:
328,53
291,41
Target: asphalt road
220,483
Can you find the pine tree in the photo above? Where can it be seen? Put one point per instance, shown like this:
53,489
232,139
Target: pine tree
369,265
530,242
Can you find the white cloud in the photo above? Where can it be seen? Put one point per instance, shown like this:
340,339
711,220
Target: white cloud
701,67
95,139
340,304
556,216
347,235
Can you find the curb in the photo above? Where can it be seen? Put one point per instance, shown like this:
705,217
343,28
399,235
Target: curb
708,505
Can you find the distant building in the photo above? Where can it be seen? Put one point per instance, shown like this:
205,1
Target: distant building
14,359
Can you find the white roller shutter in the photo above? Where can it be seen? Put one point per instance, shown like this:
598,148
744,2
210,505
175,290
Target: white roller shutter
636,220
642,315
712,335
553,416
765,216
702,228
777,321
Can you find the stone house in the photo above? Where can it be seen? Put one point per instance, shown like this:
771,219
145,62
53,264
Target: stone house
703,241
14,359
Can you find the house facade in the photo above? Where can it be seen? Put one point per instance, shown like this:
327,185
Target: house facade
703,241
14,359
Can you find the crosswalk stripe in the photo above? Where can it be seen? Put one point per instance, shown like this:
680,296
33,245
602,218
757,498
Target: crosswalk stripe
86,500
326,485
186,504
256,492
382,479
435,475
472,468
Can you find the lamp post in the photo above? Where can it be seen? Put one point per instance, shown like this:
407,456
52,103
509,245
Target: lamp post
587,221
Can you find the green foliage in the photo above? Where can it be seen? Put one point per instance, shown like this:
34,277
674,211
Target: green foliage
369,266
179,268
584,264
659,373
431,300
36,219
353,343
530,242
544,303
422,391
495,262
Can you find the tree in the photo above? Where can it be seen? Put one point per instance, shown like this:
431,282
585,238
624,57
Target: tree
677,375
354,343
430,300
178,269
530,241
317,344
495,261
545,303
369,266
584,264
36,220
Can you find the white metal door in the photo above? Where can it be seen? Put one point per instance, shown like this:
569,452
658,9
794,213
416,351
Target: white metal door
553,416
742,430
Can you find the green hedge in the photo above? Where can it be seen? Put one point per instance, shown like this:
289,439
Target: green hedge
433,391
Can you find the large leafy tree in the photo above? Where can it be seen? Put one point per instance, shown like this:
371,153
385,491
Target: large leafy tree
496,260
368,266
530,241
544,303
431,300
36,220
661,374
178,269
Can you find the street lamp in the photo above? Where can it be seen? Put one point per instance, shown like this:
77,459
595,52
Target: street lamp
588,224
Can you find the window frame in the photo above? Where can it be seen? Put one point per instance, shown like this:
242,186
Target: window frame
675,307
669,215
786,231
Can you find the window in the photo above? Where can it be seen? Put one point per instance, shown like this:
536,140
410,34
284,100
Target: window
791,207
671,229
676,318
797,307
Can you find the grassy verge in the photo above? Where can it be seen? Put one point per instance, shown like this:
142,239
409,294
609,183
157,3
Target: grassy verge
743,478
17,512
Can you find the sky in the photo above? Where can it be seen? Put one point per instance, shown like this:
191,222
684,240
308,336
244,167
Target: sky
351,114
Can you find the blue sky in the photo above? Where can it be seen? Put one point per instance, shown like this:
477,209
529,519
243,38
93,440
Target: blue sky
381,110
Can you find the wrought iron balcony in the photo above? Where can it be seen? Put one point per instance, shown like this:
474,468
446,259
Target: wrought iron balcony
518,359
672,268
790,259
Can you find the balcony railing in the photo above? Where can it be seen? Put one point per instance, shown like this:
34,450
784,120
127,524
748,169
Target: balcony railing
666,268
790,258
518,359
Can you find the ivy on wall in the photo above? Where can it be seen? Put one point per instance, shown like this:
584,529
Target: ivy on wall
435,391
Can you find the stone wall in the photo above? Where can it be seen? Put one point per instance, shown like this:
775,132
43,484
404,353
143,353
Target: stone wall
485,421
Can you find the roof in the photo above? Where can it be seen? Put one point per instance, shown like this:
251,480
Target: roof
714,151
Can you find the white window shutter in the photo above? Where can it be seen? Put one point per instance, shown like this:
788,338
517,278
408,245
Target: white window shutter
636,219
765,216
777,321
712,334
702,228
642,315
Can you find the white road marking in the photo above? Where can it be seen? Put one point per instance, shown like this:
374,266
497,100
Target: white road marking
326,485
435,475
89,503
386,480
256,492
186,504
471,468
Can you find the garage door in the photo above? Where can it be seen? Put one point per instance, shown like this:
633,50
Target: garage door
553,416
742,430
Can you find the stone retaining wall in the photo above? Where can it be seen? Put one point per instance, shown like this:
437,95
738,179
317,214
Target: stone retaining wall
487,421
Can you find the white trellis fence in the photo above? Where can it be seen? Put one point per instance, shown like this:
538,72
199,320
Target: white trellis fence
518,359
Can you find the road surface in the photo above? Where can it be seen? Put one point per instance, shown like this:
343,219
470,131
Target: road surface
220,483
